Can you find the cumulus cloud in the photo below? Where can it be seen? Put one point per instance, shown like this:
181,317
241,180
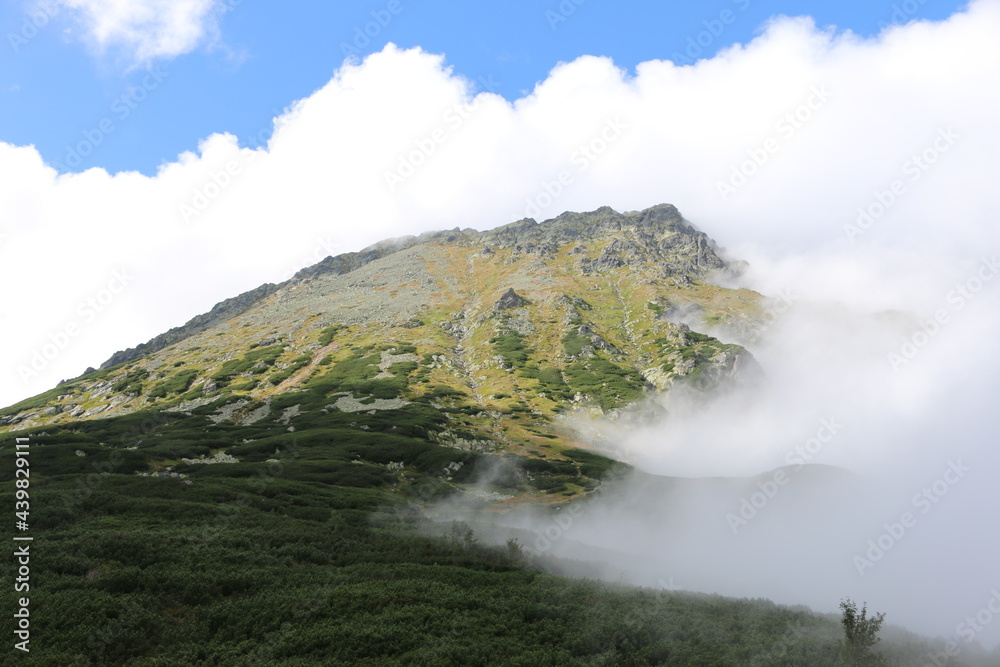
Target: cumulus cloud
145,30
855,174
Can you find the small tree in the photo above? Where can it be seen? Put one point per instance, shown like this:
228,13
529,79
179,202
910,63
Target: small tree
462,535
860,634
515,551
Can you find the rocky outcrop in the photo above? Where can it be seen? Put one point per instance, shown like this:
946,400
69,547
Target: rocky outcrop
509,299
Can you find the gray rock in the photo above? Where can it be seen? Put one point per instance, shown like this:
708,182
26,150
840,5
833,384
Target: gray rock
509,299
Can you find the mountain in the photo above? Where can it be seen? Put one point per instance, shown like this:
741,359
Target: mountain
267,484
515,325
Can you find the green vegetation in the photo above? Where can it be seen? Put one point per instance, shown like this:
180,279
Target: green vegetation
327,335
175,384
510,345
403,368
255,361
131,381
860,634
294,367
356,374
574,343
550,381
43,399
247,385
315,547
180,382
610,385
309,551
594,465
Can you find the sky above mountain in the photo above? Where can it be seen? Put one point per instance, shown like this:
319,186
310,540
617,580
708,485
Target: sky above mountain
232,65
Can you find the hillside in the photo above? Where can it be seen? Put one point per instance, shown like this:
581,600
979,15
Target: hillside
508,328
255,487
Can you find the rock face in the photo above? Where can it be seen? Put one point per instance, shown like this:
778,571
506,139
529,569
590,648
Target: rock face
657,233
509,299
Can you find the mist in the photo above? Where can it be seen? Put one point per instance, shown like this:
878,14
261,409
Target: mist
860,461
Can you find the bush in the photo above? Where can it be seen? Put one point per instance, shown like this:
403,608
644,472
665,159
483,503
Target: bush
510,345
255,361
327,335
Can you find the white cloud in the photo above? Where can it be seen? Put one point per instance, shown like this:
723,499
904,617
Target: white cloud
146,30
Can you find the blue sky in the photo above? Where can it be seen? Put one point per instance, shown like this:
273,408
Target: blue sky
55,86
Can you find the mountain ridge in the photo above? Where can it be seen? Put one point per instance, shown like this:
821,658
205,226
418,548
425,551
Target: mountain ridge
524,330
512,234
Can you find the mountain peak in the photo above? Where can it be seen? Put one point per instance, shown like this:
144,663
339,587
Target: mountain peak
534,317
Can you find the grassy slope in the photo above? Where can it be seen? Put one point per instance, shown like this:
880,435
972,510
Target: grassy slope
307,552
